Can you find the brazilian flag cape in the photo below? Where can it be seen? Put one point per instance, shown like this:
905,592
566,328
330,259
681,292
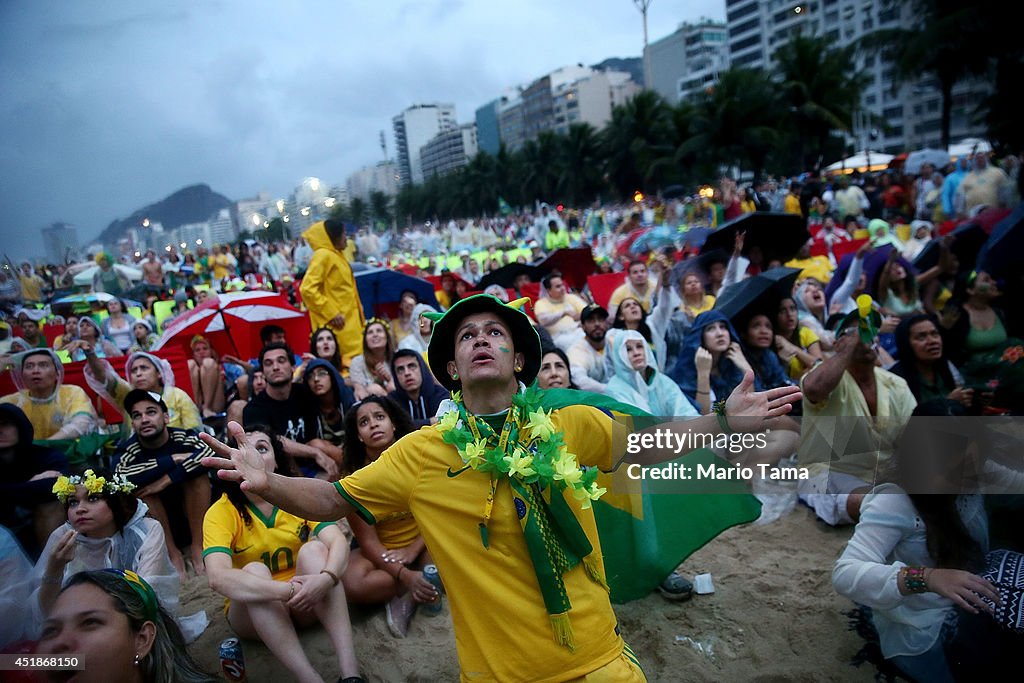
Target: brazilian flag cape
645,535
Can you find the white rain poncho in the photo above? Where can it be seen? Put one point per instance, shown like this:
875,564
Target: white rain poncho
67,413
139,547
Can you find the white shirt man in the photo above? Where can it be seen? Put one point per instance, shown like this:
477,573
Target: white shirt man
586,356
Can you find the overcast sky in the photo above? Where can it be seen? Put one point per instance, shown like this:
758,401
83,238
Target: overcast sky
109,106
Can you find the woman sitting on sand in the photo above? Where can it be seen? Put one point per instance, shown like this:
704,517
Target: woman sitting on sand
388,562
277,570
916,553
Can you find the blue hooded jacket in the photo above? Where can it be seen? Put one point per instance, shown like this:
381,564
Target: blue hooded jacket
684,373
431,393
345,395
24,461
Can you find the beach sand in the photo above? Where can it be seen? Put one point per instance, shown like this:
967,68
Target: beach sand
773,617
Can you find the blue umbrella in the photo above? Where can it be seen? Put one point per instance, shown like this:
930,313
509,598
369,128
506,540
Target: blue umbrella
653,239
384,286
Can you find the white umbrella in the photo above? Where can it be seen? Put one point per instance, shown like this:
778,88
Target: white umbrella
915,160
860,160
85,277
969,146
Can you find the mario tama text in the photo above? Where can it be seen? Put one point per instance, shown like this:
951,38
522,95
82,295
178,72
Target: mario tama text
715,471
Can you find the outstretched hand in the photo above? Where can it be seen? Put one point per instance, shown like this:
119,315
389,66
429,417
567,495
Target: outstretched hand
747,409
243,464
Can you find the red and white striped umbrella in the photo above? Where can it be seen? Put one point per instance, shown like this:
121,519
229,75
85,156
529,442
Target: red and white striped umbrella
231,323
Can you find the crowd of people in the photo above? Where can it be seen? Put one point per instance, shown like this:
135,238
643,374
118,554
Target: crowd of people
338,451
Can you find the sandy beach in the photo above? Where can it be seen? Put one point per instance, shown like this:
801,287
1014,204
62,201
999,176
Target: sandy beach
773,617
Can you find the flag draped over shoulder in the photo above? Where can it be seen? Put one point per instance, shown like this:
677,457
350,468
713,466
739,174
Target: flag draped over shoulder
645,536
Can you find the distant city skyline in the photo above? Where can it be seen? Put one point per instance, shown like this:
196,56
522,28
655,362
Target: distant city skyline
109,106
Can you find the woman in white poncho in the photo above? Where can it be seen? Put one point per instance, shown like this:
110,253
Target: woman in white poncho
637,380
107,527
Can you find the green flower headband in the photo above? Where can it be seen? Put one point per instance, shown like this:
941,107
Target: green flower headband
65,487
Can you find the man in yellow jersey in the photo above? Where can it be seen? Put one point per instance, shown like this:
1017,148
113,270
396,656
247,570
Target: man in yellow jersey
516,545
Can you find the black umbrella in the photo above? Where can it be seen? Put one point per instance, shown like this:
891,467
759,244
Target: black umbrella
506,275
778,235
969,239
1001,253
758,294
575,265
673,191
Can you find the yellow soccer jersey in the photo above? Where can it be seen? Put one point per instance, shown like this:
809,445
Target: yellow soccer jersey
495,599
274,540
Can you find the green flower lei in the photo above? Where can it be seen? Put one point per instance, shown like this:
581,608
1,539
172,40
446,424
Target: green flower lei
528,447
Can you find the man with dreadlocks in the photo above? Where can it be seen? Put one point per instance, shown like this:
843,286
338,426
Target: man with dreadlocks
501,490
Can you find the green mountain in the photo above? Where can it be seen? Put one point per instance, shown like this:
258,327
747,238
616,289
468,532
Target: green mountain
192,204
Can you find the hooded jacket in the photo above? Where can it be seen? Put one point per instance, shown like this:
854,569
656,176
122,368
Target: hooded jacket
727,377
23,462
329,288
67,413
139,547
652,391
426,404
414,341
345,396
181,409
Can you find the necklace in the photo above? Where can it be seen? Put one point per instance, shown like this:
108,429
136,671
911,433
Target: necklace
527,449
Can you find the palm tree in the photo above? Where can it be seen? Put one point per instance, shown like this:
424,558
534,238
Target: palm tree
821,89
537,164
357,210
936,45
579,164
637,140
735,123
380,207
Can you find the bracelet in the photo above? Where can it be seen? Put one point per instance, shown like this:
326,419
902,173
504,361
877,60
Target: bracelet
334,577
706,393
292,594
399,573
718,408
913,580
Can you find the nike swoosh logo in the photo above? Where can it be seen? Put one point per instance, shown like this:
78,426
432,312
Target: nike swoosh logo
242,550
452,475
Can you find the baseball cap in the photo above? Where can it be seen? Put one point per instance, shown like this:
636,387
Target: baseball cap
136,395
590,310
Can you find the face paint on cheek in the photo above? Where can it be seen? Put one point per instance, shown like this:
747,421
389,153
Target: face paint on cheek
504,350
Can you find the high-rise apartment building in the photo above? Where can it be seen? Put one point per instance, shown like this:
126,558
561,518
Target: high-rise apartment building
688,60
488,131
448,150
590,99
892,118
511,124
382,177
415,127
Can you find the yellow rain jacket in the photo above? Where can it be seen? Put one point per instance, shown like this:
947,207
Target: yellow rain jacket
329,288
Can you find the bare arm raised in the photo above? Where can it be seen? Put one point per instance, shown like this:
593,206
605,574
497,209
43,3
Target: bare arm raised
312,499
